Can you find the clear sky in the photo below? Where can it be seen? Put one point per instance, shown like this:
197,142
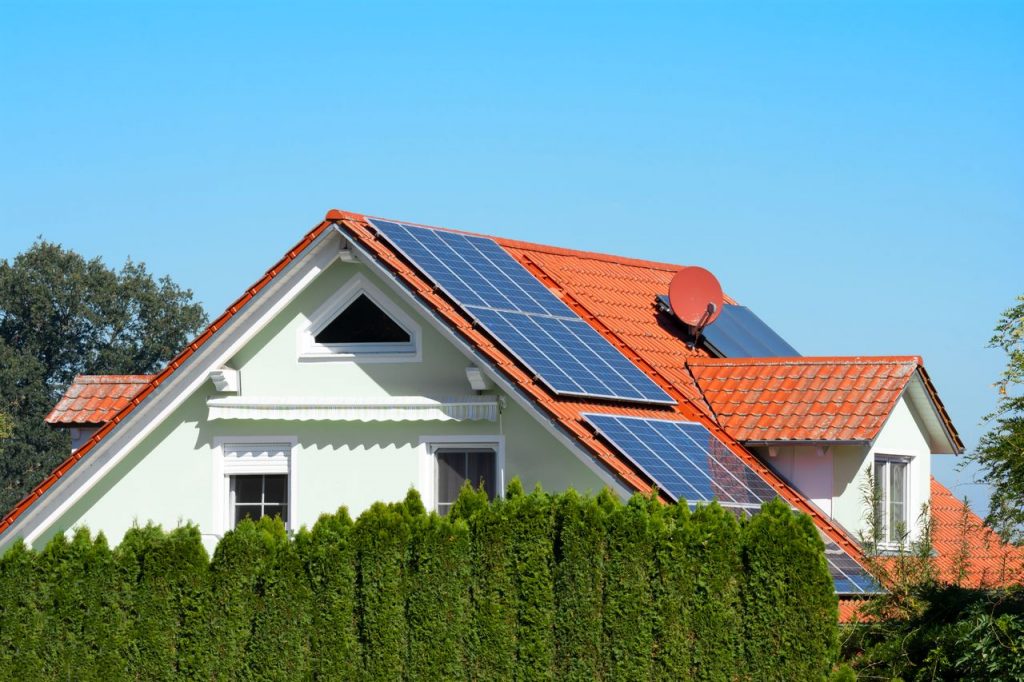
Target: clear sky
852,171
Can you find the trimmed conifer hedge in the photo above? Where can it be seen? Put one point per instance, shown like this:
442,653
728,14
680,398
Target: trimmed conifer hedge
532,586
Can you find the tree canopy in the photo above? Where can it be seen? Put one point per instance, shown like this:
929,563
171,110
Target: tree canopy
1000,452
62,315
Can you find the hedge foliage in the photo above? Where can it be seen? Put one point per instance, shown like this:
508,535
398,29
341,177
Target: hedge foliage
529,587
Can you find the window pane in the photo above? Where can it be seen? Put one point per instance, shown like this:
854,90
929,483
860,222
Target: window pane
897,498
363,322
250,511
276,490
880,506
276,510
456,466
451,473
260,495
248,488
482,469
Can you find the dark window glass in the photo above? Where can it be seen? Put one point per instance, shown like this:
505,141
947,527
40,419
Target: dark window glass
248,489
260,495
363,322
455,466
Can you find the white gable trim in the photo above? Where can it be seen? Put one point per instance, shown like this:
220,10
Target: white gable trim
358,285
918,398
151,412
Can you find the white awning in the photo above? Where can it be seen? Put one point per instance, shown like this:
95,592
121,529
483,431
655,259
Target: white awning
393,409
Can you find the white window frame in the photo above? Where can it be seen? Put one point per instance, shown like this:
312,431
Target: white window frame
887,541
226,464
429,445
358,285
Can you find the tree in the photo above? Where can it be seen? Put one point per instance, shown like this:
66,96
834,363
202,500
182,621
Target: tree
62,315
1000,452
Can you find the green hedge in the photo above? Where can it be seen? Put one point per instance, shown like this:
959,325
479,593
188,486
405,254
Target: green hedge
529,587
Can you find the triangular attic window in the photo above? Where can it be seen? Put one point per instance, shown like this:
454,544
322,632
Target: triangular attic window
362,322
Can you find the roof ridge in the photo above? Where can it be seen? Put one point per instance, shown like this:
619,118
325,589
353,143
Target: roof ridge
529,246
591,255
807,360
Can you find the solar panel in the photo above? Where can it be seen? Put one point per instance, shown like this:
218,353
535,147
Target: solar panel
739,333
690,464
543,333
848,576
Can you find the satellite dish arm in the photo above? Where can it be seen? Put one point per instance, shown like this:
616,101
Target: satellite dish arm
704,319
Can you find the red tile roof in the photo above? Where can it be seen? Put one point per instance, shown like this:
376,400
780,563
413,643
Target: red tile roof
967,551
96,399
806,399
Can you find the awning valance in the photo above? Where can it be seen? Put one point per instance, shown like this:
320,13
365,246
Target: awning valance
397,408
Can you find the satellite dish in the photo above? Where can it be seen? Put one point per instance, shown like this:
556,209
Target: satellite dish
695,296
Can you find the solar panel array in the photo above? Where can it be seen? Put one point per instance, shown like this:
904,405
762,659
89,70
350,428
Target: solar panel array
685,459
690,464
547,336
739,333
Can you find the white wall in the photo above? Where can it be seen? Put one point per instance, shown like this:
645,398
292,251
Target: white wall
835,482
808,469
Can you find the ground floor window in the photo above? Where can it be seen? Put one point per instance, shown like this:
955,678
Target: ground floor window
891,488
456,465
255,476
254,496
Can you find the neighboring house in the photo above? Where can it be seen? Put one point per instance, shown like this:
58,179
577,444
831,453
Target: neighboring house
376,356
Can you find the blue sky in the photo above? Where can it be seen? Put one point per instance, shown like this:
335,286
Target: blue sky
853,171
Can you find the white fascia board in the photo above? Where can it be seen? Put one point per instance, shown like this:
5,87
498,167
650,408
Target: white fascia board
927,415
181,384
920,400
484,363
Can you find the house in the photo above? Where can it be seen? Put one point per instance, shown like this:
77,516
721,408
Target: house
376,355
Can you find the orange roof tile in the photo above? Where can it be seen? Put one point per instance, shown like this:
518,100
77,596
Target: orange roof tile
803,399
96,399
851,610
967,551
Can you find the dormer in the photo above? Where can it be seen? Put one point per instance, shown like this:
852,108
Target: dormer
830,425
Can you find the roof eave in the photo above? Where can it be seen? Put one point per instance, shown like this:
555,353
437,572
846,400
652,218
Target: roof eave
816,441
